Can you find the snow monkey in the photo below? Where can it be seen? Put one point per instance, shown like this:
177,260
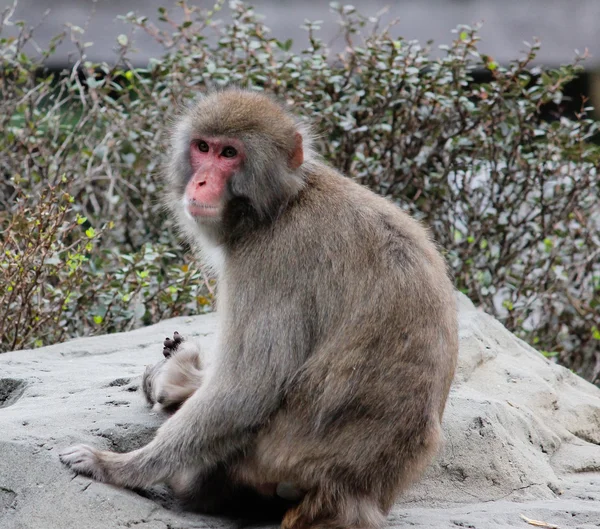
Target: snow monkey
337,338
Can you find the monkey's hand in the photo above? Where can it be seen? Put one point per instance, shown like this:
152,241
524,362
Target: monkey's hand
173,380
84,460
108,467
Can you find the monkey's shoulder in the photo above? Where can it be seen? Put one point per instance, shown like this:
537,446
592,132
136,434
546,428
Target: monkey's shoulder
338,204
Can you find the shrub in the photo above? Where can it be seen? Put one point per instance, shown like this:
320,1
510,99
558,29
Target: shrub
454,138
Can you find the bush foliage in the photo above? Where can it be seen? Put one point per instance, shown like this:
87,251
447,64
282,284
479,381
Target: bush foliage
511,198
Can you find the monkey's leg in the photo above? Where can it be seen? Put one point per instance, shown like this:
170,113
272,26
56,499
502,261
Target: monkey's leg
221,493
334,507
351,471
349,487
174,379
328,501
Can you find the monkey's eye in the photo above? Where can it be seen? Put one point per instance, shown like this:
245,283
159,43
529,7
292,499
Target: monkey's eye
202,146
228,152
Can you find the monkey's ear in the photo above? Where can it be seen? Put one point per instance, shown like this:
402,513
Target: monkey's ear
297,156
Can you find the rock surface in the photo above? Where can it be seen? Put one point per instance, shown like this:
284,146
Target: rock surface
522,435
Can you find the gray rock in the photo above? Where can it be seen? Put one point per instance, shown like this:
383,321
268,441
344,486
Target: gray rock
522,435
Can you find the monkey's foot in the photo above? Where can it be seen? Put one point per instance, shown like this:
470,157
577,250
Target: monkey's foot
84,460
295,519
176,377
170,345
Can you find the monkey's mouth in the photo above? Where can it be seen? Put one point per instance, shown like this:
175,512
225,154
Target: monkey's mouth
197,209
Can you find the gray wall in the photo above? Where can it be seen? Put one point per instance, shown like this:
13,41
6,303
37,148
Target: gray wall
562,25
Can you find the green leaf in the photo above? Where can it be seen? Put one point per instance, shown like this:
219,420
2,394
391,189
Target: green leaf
507,304
122,40
549,354
94,83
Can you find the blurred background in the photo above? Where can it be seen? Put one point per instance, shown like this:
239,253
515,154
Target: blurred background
562,26
496,150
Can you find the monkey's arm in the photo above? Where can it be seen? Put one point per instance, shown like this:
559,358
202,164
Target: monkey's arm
214,423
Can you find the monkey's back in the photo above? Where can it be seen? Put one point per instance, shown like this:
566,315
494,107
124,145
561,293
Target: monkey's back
377,353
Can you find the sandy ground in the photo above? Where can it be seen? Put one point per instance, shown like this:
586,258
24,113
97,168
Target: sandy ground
522,436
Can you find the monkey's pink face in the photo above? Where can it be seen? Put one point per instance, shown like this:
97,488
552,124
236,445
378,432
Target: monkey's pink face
213,162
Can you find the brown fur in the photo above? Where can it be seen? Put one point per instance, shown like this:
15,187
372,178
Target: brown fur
338,338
